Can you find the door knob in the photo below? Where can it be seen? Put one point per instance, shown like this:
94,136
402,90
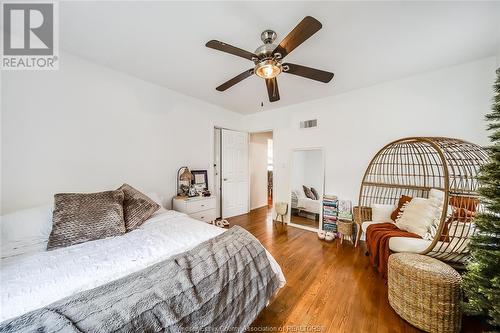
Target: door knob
225,179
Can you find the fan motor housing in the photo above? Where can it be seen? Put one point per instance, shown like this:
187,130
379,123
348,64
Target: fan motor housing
265,51
268,36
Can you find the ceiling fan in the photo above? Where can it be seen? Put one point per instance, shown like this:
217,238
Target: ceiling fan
268,58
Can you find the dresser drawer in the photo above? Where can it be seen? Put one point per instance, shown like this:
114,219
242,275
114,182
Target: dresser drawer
205,216
199,205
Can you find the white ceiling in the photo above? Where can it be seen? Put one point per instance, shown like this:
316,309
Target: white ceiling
363,43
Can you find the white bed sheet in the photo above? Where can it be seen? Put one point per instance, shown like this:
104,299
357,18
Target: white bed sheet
32,281
309,205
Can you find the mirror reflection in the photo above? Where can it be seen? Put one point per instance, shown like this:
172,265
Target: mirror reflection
307,187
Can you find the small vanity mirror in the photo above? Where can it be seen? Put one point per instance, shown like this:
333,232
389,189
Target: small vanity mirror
307,183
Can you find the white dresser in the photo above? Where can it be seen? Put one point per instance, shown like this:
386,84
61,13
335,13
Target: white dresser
200,208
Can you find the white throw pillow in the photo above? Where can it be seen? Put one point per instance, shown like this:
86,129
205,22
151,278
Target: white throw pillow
156,198
299,193
26,230
382,212
419,215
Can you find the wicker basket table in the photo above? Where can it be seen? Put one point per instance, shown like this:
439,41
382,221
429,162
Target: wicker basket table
425,292
344,229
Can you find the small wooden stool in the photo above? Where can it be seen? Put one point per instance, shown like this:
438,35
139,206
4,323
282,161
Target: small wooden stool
344,228
281,209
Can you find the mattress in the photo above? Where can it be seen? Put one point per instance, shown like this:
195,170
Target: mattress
309,205
38,279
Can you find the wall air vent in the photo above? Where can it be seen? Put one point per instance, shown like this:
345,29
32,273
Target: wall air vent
309,123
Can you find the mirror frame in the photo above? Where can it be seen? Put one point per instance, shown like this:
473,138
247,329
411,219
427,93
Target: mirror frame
290,223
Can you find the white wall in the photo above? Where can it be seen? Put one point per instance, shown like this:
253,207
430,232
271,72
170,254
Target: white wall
353,126
88,128
258,168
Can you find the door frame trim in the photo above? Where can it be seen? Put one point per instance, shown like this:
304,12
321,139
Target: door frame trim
249,173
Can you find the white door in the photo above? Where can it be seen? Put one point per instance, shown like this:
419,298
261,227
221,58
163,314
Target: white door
234,173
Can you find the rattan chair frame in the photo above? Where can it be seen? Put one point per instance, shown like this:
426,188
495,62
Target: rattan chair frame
413,166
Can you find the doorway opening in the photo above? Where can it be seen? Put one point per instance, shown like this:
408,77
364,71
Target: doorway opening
261,169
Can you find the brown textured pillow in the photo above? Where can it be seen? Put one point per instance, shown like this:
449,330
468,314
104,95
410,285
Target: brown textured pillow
308,193
137,207
316,194
402,200
82,217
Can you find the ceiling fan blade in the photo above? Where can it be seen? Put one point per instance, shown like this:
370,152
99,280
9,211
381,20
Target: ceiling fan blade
307,72
305,29
272,89
234,80
221,46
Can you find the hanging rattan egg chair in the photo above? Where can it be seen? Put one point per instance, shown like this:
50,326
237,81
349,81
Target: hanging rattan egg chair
414,166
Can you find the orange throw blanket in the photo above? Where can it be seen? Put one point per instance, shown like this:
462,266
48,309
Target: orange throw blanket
377,241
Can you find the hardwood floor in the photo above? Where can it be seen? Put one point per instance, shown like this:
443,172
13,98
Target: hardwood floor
305,221
331,287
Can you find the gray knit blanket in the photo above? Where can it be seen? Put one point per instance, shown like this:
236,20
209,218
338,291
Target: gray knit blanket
222,284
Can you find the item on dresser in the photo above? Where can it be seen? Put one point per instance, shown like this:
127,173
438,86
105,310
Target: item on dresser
83,217
185,176
199,208
200,180
137,207
192,192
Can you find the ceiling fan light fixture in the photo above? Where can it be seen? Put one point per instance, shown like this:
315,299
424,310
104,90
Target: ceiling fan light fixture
268,69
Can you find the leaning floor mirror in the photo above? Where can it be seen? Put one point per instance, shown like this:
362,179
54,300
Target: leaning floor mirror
307,184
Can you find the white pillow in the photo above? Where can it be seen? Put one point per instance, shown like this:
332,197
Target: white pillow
419,215
382,212
299,193
436,194
26,230
156,198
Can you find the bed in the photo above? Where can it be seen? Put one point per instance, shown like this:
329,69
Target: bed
305,204
34,279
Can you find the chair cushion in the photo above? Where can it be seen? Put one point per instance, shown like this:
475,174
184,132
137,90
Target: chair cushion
382,212
408,244
366,224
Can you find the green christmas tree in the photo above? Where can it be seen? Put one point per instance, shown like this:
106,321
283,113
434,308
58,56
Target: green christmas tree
482,279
